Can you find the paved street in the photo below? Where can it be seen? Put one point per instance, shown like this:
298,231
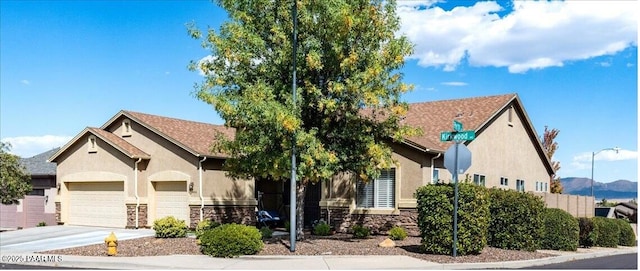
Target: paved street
623,261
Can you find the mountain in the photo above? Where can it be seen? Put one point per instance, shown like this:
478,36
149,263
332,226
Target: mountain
620,189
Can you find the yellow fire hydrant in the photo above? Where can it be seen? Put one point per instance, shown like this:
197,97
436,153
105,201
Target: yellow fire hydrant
112,244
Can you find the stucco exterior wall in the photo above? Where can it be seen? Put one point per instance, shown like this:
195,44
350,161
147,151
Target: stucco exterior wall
505,149
77,164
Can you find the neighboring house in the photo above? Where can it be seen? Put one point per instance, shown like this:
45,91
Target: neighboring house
139,167
38,205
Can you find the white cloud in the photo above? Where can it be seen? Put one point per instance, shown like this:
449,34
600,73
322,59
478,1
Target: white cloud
606,155
534,35
27,146
25,82
454,84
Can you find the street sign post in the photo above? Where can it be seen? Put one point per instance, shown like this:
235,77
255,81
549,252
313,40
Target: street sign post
457,159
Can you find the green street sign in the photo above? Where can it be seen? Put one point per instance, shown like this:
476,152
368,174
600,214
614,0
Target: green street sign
457,126
457,136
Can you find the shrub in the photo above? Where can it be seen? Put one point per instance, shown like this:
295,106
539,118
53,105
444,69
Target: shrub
231,240
205,225
435,218
266,232
360,232
608,232
170,227
516,220
627,237
588,234
287,225
397,233
322,228
561,230
41,224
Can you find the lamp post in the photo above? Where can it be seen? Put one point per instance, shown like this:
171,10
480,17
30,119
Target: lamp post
593,155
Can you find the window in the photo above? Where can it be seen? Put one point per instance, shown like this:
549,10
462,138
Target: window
537,186
546,187
510,116
436,176
379,193
520,185
504,181
92,144
479,180
126,128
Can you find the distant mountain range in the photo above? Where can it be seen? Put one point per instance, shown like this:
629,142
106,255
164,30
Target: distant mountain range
620,189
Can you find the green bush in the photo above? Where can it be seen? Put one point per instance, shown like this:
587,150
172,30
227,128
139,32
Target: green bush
205,225
41,224
266,232
588,234
231,240
561,230
516,220
435,218
322,228
170,227
608,232
627,237
360,232
397,233
287,225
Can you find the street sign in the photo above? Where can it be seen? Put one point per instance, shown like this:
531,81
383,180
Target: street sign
457,126
458,136
463,157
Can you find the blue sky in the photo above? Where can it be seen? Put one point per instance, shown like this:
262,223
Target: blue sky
65,65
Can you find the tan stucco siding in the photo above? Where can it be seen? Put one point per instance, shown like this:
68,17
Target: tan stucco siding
505,149
410,165
168,157
105,164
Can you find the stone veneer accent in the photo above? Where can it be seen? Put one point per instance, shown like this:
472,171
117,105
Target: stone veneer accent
223,214
342,221
58,211
131,216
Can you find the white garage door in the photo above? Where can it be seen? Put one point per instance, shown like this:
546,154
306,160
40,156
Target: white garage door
97,204
172,200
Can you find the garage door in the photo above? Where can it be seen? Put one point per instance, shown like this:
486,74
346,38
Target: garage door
97,204
171,199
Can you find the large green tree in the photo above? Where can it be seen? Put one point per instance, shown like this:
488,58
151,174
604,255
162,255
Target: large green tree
348,87
14,180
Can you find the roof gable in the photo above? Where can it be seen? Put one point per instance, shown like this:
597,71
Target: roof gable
115,141
436,117
194,137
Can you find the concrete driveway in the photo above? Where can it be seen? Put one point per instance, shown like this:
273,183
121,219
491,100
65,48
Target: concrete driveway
58,237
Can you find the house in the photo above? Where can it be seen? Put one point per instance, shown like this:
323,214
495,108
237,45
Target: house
139,167
38,205
628,210
506,153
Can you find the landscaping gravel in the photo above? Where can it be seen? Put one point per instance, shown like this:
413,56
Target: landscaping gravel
338,244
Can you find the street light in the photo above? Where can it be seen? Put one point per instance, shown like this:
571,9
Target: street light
593,155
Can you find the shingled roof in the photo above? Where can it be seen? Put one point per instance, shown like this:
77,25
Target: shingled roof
115,141
435,117
38,165
195,137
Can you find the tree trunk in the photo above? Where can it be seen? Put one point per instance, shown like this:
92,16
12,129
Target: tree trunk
301,189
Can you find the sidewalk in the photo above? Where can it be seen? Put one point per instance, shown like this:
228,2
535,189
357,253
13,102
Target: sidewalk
297,262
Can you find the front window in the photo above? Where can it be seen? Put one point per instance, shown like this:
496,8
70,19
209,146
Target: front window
504,181
520,185
379,193
479,179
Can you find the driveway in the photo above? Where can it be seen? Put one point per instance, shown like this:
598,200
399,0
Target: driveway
58,237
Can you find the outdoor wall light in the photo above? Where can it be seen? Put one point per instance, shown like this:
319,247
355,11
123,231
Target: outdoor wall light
191,187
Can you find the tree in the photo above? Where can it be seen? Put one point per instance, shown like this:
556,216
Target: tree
550,147
348,88
15,181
